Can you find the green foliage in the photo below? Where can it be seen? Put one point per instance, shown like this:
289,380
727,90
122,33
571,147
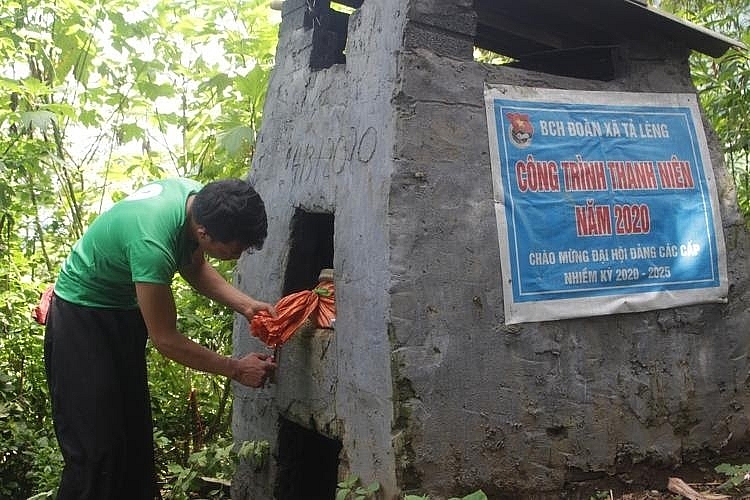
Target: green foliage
724,83
738,482
350,489
477,495
191,408
95,99
29,457
209,470
488,57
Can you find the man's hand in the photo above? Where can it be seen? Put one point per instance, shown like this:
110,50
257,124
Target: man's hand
254,369
257,306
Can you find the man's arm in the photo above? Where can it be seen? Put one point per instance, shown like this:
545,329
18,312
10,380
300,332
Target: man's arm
159,313
208,282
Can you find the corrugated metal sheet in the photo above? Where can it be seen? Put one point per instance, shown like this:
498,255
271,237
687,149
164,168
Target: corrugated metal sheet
526,28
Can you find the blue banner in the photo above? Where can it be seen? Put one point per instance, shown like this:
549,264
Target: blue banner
605,199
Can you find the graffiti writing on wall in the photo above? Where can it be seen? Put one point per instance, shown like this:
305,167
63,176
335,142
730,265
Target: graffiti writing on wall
331,155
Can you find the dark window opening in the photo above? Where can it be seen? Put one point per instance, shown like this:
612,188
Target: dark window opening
307,464
310,250
551,38
329,21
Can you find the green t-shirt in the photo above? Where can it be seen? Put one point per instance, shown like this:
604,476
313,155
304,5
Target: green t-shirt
141,239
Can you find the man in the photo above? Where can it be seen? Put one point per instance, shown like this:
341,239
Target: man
114,291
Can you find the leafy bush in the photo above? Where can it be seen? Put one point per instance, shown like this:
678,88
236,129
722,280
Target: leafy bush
209,471
738,482
350,489
191,409
30,460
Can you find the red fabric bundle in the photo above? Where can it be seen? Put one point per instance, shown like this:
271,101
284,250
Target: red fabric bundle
40,311
293,310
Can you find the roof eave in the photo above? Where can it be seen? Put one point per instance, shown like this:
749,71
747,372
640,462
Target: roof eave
700,39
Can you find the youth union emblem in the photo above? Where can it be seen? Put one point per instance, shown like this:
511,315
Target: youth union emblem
521,130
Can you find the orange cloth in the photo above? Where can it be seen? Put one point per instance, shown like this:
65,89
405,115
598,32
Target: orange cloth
40,311
293,310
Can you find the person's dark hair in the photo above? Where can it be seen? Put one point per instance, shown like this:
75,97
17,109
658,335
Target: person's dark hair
231,211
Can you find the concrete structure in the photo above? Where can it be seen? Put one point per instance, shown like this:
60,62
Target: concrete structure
373,159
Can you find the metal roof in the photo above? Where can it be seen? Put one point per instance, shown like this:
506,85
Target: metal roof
527,28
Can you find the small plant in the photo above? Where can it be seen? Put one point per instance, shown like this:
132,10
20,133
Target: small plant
210,469
739,477
256,453
350,489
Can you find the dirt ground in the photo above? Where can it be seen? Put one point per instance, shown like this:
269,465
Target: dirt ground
643,482
674,488
699,492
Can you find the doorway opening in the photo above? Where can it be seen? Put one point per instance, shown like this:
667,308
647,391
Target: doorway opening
308,464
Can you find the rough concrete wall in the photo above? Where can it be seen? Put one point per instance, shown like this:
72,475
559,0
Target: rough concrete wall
443,27
537,407
326,146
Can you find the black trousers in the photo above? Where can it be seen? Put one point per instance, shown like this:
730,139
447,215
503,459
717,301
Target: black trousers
96,373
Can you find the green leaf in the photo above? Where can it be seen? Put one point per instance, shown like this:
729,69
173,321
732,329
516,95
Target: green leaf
35,87
37,119
477,495
236,139
219,82
342,494
153,91
349,483
175,468
62,109
127,132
